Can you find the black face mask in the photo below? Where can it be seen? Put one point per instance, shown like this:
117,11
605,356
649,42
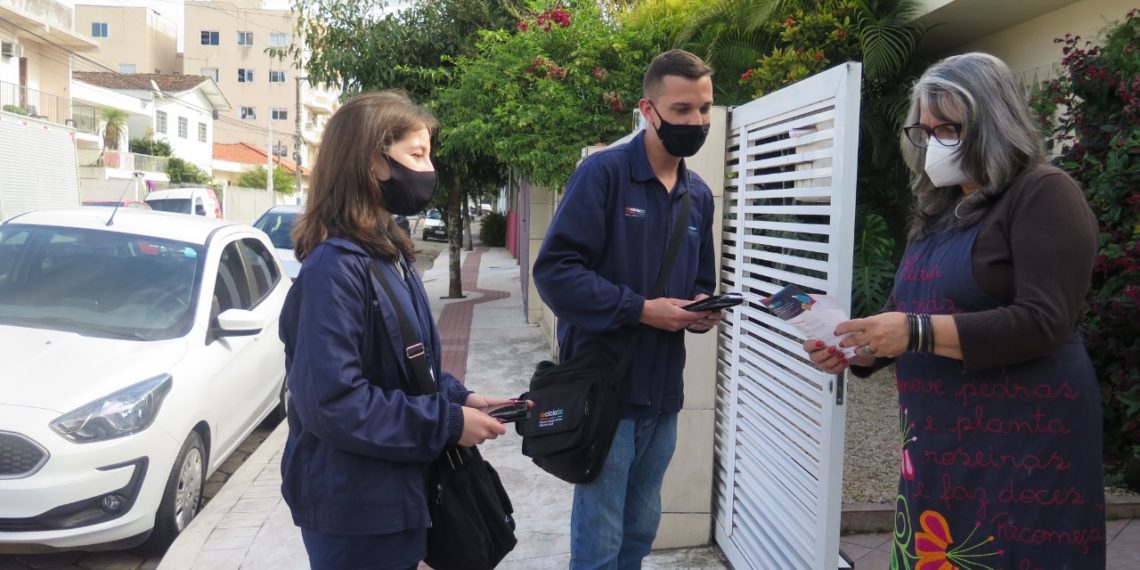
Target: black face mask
408,191
680,140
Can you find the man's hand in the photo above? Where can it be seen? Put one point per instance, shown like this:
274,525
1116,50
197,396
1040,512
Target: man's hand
666,314
709,319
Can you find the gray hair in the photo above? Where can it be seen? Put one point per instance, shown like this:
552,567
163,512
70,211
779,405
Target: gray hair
1000,139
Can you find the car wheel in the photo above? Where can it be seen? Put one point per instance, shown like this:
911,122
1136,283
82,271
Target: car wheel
182,496
425,235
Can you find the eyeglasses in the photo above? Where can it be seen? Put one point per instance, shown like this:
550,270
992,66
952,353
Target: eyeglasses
949,134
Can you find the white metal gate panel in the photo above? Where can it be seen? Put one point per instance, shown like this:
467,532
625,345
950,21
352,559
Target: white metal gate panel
38,166
789,218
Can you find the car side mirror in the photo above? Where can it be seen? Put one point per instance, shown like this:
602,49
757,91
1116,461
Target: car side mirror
239,322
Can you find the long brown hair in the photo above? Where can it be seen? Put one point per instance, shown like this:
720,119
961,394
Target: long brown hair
344,196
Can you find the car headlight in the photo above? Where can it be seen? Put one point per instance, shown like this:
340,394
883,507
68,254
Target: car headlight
123,413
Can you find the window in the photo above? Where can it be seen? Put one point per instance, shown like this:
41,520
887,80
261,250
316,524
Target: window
126,68
210,38
202,132
248,113
99,30
262,266
212,73
277,77
183,127
279,113
160,121
247,272
278,40
245,38
245,75
231,288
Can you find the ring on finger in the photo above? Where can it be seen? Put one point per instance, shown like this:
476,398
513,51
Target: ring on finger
868,350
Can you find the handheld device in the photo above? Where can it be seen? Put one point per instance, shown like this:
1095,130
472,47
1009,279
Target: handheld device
716,302
512,412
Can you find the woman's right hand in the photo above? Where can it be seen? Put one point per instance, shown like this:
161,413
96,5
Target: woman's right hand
830,359
479,427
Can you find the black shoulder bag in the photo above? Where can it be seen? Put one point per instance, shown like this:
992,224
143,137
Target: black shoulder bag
579,403
471,523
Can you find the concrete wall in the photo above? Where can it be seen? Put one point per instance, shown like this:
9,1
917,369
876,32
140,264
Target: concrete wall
1028,47
245,205
686,497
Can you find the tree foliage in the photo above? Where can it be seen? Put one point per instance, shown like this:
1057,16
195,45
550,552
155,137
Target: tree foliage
283,182
1092,112
151,147
114,126
183,172
564,78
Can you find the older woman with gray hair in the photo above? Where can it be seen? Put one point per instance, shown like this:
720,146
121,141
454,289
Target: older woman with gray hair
1000,410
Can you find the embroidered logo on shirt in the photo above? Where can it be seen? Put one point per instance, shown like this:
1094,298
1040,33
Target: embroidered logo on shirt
631,212
692,231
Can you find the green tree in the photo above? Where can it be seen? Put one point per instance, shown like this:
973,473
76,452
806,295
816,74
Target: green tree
413,49
114,126
151,146
565,78
283,182
182,172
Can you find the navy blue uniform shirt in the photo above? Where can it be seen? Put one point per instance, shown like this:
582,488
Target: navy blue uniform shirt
359,445
601,257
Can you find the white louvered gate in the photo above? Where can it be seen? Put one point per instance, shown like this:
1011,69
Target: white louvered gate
789,218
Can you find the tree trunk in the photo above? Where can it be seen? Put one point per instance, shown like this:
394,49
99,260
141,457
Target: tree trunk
467,221
454,238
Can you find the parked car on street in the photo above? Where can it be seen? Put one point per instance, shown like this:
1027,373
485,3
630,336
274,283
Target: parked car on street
196,201
120,203
434,226
277,223
137,355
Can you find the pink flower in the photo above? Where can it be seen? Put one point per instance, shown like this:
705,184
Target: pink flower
746,75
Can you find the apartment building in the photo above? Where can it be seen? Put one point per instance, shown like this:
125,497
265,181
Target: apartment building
132,39
37,45
228,41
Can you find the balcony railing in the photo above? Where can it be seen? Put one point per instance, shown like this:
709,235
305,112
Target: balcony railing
122,160
47,107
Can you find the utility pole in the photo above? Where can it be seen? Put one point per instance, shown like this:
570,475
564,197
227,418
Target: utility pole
297,142
269,158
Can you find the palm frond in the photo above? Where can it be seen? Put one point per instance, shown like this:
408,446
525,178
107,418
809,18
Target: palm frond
887,34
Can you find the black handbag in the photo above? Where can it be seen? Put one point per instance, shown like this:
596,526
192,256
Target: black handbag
472,527
579,403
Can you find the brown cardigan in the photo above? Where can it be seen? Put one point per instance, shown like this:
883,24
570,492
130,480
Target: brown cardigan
1034,254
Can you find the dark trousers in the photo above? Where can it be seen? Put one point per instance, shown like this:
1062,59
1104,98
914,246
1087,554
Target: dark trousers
398,551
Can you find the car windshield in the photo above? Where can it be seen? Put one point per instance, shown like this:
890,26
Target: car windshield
97,283
433,215
277,225
176,205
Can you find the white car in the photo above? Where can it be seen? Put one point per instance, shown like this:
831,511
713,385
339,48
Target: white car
434,226
277,223
138,351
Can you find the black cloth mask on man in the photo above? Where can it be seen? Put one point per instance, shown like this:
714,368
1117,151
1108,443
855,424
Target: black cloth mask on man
680,141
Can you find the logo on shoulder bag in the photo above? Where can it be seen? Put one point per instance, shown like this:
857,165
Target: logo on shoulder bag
550,417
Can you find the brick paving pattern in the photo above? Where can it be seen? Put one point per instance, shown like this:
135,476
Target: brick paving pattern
455,319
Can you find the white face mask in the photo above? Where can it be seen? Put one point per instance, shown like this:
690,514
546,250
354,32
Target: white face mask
943,164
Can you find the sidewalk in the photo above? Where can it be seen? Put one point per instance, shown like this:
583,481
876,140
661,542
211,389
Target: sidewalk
247,525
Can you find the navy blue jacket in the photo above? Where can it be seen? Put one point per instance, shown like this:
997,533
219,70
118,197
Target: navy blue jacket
601,257
356,458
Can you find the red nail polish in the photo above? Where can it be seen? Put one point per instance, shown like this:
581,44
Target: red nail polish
831,350
819,344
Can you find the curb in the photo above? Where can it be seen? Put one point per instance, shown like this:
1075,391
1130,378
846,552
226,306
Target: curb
873,518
